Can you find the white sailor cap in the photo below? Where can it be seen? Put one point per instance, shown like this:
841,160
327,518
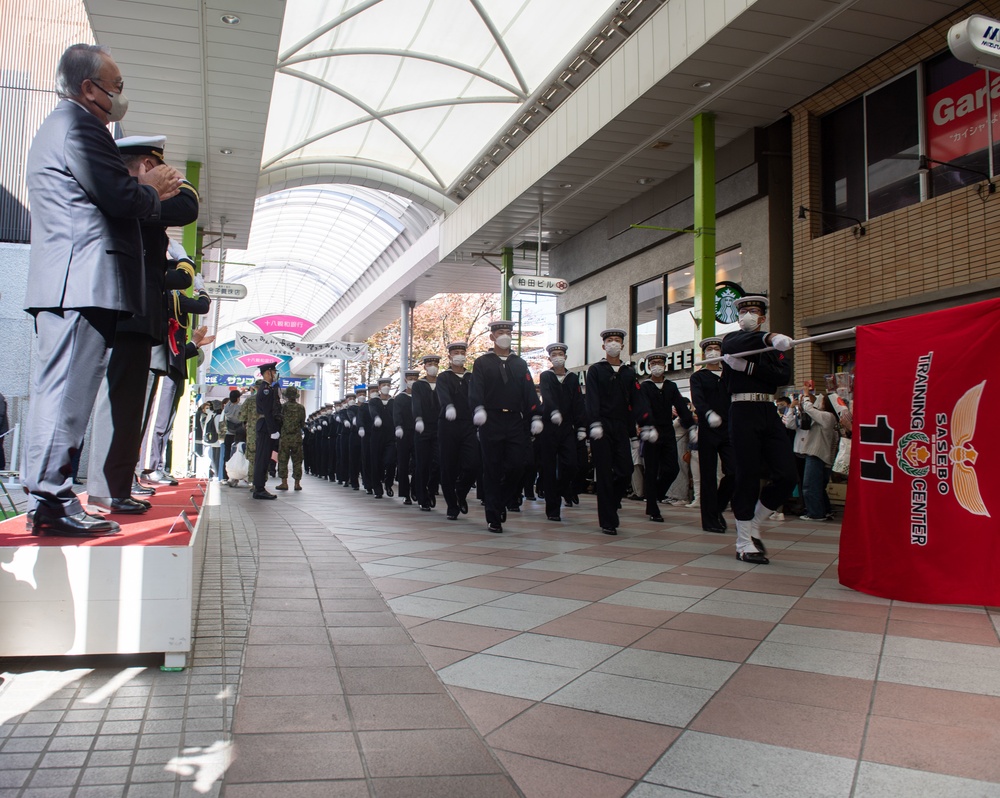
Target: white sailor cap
557,345
142,145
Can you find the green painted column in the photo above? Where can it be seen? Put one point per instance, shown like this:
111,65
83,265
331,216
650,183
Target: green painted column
704,224
506,273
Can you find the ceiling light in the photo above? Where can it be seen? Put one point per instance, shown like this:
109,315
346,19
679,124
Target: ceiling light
645,181
565,185
226,151
230,19
702,84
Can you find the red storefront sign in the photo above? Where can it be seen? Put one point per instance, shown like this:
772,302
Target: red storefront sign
957,116
922,520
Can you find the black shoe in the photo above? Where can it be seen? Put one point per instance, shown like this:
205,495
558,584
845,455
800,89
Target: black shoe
378,495
721,522
514,510
503,515
714,528
407,500
139,490
160,478
368,491
754,557
425,507
128,506
658,518
388,491
78,525
434,501
355,487
759,544
530,497
554,517
452,516
263,494
143,502
495,528
463,506
609,531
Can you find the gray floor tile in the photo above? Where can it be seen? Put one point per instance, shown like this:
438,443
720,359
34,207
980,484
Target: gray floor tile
546,605
464,595
671,589
815,660
630,570
885,781
656,702
834,639
730,609
554,650
748,597
650,601
709,674
941,651
501,618
942,675
513,677
426,607
729,768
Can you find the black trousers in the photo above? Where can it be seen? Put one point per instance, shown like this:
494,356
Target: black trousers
73,350
262,455
427,473
460,461
558,463
404,464
659,467
714,447
504,444
612,456
383,460
354,454
759,439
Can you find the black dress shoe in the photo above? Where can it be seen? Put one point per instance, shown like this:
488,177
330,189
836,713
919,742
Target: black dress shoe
452,516
754,557
425,507
554,517
127,506
721,522
714,528
78,525
503,515
144,503
434,501
368,491
139,490
159,478
463,506
530,497
407,500
514,509
388,491
759,544
495,528
263,494
609,530
77,481
658,518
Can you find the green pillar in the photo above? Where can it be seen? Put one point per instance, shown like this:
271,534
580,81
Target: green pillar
506,273
704,224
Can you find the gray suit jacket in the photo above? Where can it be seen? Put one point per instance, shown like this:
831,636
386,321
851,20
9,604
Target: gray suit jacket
86,250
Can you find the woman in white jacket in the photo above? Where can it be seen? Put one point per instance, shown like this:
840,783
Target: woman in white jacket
818,450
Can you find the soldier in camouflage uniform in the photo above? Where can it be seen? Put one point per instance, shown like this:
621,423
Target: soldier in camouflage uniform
248,415
293,417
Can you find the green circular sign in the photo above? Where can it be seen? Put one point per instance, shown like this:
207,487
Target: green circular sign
726,293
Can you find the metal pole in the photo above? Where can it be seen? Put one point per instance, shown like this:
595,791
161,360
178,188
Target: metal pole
343,379
812,339
319,385
704,225
506,273
405,335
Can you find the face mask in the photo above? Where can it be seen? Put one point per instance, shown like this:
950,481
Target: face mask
558,362
432,371
119,105
362,400
613,348
503,341
749,322
656,371
713,353
409,383
350,402
458,360
384,390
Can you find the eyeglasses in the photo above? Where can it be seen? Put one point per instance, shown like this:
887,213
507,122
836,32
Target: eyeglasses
119,86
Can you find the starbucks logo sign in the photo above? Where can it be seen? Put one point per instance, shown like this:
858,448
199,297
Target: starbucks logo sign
726,293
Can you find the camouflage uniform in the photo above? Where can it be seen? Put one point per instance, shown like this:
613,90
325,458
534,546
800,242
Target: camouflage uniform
248,415
290,444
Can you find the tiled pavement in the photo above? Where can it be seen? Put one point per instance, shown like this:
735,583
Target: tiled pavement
562,663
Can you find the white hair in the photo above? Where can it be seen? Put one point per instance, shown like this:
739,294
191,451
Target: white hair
80,62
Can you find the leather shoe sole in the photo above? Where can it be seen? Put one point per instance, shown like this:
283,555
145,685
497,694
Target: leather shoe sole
754,557
78,525
609,531
759,544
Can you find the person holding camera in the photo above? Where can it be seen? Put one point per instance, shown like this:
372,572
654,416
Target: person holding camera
816,442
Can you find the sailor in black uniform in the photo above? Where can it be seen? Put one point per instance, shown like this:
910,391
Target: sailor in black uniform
565,425
402,418
711,403
268,428
502,397
615,406
425,420
660,465
383,448
756,431
459,448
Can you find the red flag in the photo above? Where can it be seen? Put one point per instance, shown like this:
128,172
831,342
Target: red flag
922,520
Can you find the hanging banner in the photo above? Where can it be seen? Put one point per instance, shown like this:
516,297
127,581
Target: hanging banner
332,350
921,517
246,380
281,322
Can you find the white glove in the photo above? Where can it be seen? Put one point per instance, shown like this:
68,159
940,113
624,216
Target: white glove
361,432
693,434
378,421
734,362
450,413
347,423
199,283
714,419
596,431
536,425
556,417
649,434
581,434
399,432
419,425
175,250
275,436
479,417
781,342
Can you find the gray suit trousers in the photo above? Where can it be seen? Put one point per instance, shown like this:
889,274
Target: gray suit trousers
73,348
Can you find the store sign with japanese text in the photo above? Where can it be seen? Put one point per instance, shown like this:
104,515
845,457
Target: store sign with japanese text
957,116
543,285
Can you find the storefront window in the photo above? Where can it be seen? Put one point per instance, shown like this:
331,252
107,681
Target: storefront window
597,320
680,296
843,166
647,311
893,146
580,329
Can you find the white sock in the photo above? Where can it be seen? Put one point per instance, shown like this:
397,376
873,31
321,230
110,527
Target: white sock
744,532
761,513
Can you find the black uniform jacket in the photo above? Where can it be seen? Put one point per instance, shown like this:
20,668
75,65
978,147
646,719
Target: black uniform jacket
661,400
565,396
765,372
615,396
454,390
503,385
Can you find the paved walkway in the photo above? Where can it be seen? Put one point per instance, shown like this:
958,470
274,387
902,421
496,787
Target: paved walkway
406,655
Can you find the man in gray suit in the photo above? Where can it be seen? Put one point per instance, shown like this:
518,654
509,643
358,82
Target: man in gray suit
86,271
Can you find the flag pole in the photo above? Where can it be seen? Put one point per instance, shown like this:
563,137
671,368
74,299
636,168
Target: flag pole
812,339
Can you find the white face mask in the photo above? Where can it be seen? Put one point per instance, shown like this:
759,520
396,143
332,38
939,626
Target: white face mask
362,399
613,348
749,321
458,360
409,383
656,371
350,402
558,361
432,371
384,390
713,353
503,341
119,104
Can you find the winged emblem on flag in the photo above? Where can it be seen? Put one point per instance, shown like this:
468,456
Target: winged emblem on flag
963,456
